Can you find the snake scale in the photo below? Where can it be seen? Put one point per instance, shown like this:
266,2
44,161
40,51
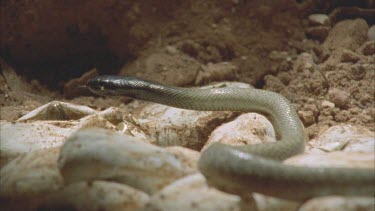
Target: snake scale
249,168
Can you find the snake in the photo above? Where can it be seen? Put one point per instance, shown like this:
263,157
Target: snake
249,168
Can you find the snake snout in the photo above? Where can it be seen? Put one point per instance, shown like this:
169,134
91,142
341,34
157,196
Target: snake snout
114,85
100,85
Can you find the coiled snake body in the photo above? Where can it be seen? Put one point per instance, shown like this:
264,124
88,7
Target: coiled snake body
250,168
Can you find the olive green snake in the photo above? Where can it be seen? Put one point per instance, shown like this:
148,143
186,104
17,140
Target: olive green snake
249,168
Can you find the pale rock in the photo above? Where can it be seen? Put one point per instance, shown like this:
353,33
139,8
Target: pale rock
120,120
250,128
348,147
31,173
97,195
334,159
98,154
58,111
18,138
333,203
345,138
21,137
187,156
29,179
340,160
169,126
269,203
192,193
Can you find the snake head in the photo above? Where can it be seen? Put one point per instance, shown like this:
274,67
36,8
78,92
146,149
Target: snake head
100,85
108,85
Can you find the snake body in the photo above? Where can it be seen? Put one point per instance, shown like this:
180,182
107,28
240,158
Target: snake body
249,168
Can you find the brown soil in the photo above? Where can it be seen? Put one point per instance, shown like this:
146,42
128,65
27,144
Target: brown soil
272,45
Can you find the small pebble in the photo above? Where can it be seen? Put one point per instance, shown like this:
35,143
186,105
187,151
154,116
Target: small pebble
307,117
313,108
318,32
349,56
368,48
338,97
327,104
171,49
305,61
309,66
343,116
319,19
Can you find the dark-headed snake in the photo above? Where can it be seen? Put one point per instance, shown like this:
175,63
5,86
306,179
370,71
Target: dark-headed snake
249,168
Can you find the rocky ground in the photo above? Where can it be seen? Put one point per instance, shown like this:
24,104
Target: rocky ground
323,63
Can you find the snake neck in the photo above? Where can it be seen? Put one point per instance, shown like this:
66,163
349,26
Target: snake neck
275,107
